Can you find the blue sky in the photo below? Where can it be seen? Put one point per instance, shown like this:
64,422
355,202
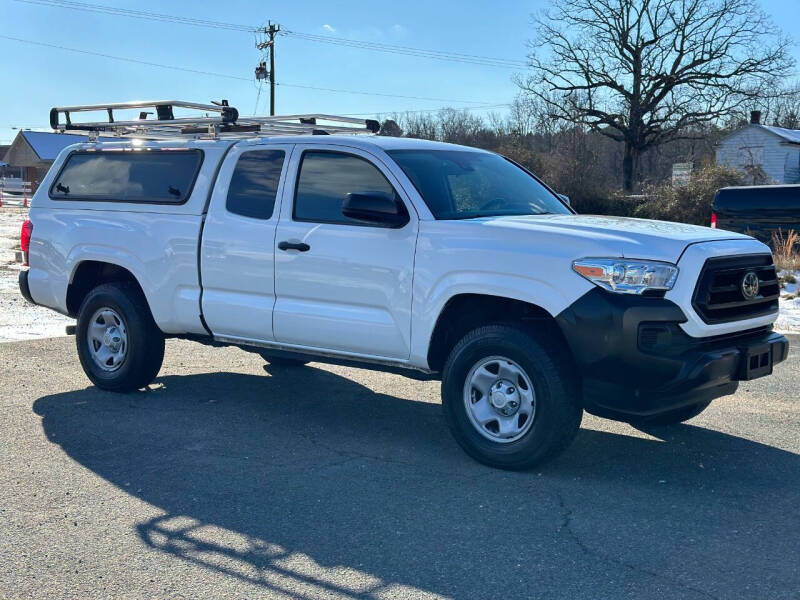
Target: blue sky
34,78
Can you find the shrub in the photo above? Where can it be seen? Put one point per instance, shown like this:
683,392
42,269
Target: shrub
611,203
785,250
690,203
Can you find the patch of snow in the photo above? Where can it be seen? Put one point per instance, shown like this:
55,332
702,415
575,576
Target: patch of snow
789,288
20,320
789,317
789,302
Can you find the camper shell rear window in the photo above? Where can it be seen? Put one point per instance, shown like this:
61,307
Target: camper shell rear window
157,176
759,198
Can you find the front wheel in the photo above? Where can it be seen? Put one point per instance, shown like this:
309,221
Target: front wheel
509,396
119,345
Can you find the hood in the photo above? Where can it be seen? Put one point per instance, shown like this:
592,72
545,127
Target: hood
621,236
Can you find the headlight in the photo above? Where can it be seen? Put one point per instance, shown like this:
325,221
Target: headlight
627,276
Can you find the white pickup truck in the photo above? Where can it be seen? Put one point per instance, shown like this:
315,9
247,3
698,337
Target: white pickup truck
437,260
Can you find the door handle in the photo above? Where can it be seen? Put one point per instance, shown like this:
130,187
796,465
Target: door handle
301,246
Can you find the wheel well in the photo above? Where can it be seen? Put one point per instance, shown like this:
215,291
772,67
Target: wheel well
465,312
88,276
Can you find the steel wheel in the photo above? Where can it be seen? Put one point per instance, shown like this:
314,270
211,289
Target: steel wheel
500,400
107,339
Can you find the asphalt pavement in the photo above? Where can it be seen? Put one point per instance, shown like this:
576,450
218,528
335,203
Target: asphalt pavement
233,479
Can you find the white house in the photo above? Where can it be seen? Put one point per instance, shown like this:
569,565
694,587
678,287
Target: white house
769,154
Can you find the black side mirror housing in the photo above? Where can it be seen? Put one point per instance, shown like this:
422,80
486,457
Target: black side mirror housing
375,208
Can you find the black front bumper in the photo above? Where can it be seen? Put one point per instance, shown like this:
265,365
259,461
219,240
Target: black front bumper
636,361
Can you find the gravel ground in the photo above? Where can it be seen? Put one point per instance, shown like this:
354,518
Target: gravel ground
229,479
18,319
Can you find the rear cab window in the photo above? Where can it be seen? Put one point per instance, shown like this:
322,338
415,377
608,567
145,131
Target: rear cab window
156,176
254,183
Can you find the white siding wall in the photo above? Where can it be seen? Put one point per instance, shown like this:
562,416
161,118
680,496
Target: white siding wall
780,160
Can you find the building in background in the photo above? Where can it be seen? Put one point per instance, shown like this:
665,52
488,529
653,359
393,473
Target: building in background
6,170
33,152
766,154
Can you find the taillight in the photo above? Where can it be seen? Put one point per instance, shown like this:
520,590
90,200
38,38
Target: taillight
25,238
713,220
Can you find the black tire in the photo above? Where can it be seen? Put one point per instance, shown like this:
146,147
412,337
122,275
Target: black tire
145,342
679,415
283,361
548,365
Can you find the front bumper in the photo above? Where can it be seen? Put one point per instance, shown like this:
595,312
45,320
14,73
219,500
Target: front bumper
636,361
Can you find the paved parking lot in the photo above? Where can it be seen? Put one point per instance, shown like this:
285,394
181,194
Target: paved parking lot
229,479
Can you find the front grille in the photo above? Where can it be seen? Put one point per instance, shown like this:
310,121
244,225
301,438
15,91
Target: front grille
719,298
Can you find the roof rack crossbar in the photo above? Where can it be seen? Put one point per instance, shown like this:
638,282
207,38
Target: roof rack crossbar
228,123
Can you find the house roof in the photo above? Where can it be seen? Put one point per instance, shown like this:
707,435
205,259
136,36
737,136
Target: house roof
47,145
790,135
40,148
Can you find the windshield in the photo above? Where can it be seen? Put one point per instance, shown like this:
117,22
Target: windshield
460,184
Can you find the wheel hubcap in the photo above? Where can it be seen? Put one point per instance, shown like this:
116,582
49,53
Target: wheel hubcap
505,398
108,339
499,399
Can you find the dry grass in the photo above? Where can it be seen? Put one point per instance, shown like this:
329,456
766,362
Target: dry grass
786,250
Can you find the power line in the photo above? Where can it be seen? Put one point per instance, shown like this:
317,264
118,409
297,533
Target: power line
123,58
139,14
425,110
323,89
228,76
335,40
411,48
407,51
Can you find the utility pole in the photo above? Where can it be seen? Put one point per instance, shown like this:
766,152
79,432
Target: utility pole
261,72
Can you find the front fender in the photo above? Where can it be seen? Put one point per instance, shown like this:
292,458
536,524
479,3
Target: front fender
428,303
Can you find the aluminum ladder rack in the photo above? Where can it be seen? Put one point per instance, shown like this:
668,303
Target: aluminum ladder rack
225,123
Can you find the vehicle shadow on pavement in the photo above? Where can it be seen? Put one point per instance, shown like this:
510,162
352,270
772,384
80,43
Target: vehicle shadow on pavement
292,481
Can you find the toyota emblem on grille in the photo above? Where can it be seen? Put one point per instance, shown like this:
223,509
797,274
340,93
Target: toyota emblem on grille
750,285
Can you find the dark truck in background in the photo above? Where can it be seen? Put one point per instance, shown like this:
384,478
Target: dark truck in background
757,210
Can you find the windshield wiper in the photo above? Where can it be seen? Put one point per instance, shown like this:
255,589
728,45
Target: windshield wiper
495,214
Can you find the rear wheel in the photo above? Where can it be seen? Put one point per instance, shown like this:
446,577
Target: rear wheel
119,345
509,396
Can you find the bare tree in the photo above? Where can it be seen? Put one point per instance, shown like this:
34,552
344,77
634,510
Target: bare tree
390,128
418,125
646,72
785,111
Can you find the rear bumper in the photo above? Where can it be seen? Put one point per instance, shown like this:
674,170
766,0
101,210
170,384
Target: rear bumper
23,287
636,361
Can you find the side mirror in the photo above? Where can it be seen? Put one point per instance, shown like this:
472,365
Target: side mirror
375,208
564,198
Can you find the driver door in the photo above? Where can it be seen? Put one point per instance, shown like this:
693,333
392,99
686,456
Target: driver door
342,285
